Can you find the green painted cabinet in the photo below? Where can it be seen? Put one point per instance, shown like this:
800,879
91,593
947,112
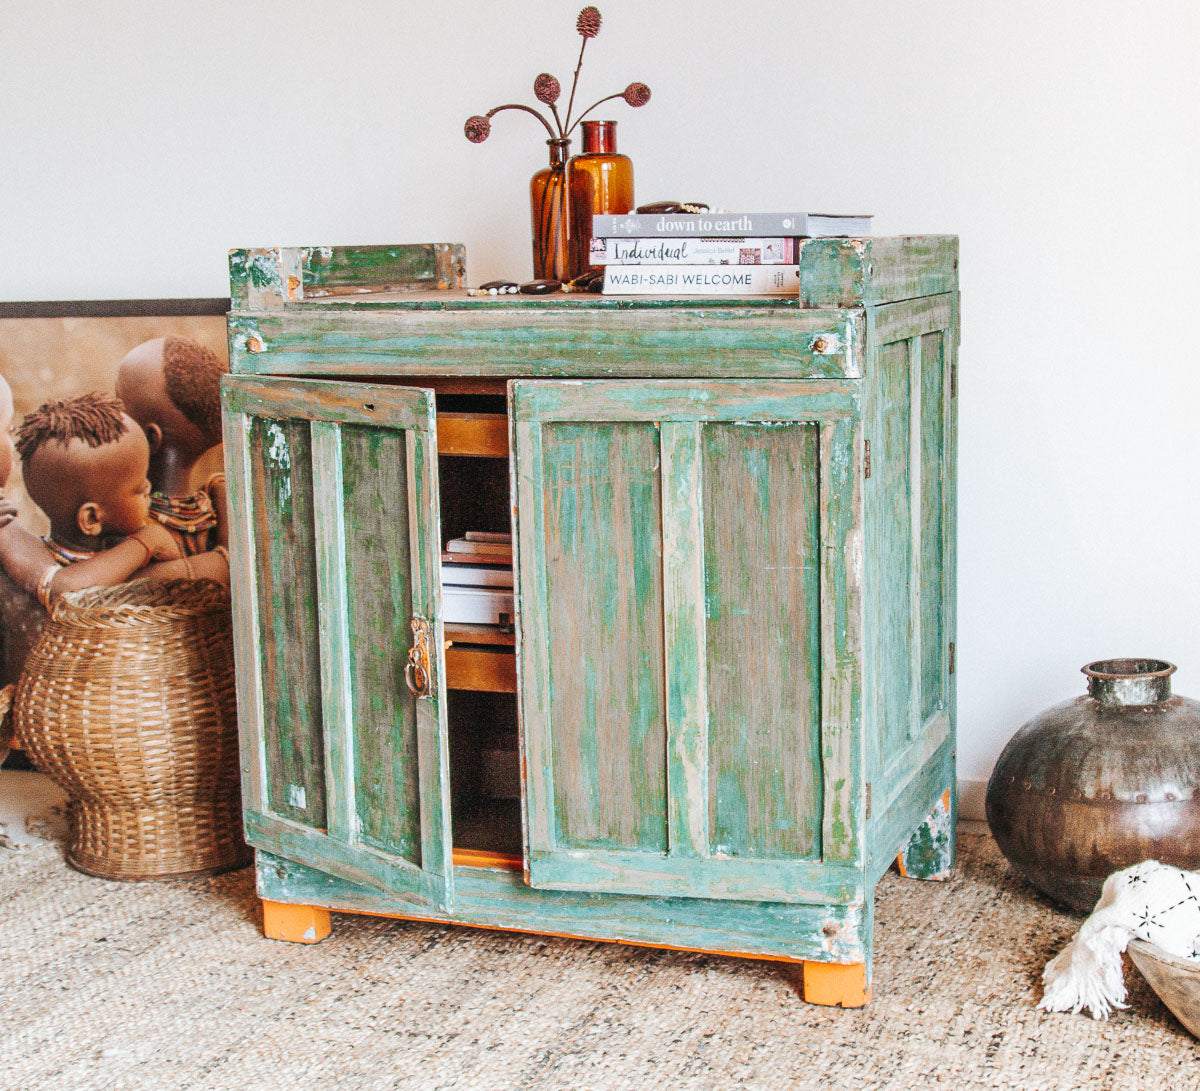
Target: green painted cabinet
728,698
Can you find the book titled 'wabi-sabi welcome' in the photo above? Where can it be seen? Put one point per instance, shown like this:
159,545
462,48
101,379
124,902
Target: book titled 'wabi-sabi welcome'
728,280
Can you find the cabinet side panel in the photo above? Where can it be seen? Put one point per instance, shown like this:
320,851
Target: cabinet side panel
282,505
891,482
379,608
933,494
604,595
761,516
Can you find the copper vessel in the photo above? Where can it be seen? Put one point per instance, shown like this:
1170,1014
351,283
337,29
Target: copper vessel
1100,783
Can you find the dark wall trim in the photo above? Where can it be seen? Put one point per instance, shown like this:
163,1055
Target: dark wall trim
115,308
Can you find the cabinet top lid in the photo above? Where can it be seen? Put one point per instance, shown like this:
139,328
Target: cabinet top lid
834,272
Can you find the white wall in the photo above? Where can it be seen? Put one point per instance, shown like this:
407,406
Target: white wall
141,140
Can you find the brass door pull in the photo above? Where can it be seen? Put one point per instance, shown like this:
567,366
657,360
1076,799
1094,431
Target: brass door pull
417,675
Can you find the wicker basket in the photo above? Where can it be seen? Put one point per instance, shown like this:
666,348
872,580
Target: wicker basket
127,702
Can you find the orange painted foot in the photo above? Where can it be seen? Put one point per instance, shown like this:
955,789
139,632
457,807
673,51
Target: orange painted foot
295,923
836,984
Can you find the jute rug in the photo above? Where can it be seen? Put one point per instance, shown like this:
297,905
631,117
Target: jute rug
148,985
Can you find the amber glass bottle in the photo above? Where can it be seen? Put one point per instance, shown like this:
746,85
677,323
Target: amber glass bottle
548,206
599,181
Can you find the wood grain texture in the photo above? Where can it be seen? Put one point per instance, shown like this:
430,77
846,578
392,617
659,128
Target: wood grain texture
547,341
247,621
658,448
681,414
932,675
274,276
377,574
854,272
332,606
501,899
603,562
891,486
685,635
761,540
284,535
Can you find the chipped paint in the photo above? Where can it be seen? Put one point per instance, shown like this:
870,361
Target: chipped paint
930,852
279,455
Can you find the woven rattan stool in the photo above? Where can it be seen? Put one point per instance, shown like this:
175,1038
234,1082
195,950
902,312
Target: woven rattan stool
127,703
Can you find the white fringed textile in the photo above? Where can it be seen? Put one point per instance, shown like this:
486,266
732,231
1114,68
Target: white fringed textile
1149,901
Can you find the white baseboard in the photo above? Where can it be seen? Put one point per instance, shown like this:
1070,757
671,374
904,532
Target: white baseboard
970,800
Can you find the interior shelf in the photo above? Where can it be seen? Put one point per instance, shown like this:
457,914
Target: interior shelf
476,435
489,670
462,632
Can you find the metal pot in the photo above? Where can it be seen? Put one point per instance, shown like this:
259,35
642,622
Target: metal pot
1100,783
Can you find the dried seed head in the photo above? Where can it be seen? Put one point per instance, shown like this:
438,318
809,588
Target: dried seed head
636,94
546,88
588,23
477,128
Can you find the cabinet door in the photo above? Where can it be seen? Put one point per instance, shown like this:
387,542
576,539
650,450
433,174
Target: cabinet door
337,601
688,566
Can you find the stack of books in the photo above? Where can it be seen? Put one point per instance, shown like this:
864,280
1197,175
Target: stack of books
709,253
477,579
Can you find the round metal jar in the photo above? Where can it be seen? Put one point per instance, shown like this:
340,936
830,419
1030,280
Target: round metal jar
1100,783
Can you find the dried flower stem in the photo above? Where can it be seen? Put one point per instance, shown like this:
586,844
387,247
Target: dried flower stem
558,121
574,84
528,110
619,94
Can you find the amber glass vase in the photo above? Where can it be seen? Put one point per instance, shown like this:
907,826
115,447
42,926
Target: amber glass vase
599,181
548,206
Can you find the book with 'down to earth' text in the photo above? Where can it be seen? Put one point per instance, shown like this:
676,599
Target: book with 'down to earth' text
728,224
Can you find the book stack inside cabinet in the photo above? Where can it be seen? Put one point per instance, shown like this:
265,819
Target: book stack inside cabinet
706,253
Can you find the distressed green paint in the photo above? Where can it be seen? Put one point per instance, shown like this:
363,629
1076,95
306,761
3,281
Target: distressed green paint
501,899
330,549
596,339
600,544
842,727
932,666
416,267
378,563
892,483
929,853
761,535
876,321
856,272
356,778
284,533
914,346
278,276
683,539
773,861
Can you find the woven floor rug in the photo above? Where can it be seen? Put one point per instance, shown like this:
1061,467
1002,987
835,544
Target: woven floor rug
171,985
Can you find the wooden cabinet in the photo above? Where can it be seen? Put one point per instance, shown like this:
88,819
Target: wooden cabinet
731,671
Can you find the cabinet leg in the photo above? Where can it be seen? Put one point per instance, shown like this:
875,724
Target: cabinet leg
836,984
295,923
929,853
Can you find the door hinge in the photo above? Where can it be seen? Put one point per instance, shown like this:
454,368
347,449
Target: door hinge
952,657
954,380
867,796
867,460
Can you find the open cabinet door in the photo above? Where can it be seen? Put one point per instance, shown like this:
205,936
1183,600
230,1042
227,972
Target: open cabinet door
337,611
689,648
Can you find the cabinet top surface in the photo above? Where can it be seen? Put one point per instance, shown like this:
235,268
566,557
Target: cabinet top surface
834,273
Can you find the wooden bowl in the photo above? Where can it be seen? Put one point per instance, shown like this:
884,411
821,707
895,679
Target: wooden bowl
1176,980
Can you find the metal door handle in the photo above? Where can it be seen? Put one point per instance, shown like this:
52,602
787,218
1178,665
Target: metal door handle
417,675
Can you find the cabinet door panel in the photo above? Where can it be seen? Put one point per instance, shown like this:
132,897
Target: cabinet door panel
762,616
688,634
336,555
600,543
